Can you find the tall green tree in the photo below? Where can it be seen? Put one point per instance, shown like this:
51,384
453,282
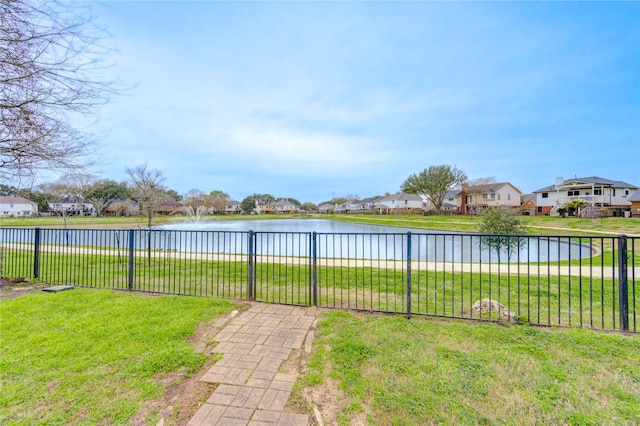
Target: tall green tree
434,182
248,204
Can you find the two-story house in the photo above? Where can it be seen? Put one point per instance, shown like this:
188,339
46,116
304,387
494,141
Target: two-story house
401,203
502,194
326,208
594,191
284,206
232,207
71,206
14,206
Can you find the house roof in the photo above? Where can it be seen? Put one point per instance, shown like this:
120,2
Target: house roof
13,199
110,202
402,196
283,203
593,180
368,200
490,187
635,196
528,197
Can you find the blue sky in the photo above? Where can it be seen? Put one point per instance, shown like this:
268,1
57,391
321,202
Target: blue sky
319,99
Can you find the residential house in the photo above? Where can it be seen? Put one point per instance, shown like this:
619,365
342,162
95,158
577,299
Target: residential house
13,206
454,202
326,208
232,207
401,203
635,204
122,208
169,207
502,194
284,206
594,191
528,204
346,207
71,206
262,208
364,206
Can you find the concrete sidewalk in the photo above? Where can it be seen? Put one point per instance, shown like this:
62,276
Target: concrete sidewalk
252,388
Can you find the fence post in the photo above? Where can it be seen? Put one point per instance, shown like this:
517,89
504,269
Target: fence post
250,289
36,254
409,275
314,260
131,257
623,289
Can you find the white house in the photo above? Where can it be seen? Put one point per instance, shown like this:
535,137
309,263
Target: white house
284,206
365,206
594,191
12,206
453,201
401,203
232,207
346,207
70,206
326,208
502,194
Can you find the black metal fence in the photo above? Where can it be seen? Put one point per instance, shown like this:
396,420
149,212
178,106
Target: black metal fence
590,282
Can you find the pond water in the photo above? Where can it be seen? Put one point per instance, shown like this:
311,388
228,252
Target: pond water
287,225
334,239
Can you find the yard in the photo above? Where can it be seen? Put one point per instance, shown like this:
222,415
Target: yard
385,370
92,356
98,356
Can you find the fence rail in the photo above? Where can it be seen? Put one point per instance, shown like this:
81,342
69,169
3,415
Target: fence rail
590,282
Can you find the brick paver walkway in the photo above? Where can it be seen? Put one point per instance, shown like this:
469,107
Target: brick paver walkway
252,389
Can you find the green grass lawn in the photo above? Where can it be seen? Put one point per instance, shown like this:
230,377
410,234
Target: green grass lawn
537,225
582,301
390,371
92,356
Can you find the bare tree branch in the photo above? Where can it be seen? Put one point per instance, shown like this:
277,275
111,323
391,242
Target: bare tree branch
50,58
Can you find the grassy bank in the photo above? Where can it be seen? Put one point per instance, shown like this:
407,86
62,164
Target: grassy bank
538,225
94,356
390,371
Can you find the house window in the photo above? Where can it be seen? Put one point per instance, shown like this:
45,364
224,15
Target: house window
493,196
614,192
539,209
545,195
485,196
597,192
573,193
508,197
498,197
626,192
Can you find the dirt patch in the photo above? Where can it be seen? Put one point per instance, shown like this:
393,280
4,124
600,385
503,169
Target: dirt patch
10,289
326,399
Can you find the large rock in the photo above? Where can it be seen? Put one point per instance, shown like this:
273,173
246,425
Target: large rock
486,305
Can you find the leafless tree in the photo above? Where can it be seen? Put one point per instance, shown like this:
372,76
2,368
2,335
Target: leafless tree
50,60
218,200
78,186
147,187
